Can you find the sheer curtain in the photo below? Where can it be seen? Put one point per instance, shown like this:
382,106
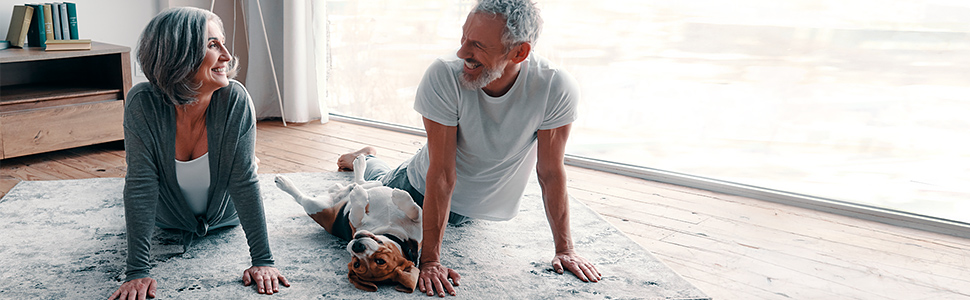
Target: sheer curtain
287,58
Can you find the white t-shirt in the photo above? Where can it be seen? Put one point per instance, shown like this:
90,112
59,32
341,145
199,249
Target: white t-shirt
496,135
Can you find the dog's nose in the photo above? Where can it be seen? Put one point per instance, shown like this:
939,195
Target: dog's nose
358,247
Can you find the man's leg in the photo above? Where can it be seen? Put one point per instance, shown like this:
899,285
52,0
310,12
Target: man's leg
345,163
375,169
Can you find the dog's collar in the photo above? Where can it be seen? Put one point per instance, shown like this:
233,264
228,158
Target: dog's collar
409,249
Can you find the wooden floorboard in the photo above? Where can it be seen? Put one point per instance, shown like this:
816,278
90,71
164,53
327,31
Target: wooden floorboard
731,247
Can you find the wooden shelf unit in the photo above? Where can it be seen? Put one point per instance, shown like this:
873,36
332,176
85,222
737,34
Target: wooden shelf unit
61,99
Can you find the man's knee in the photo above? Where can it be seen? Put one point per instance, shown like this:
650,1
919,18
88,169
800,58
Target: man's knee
376,168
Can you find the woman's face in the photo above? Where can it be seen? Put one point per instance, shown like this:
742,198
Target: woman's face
212,74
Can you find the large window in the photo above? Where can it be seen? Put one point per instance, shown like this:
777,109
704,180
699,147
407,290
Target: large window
855,100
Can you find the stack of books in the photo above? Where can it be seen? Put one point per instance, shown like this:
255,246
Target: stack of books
49,25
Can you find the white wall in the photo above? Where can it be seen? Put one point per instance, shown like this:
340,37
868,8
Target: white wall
116,22
120,22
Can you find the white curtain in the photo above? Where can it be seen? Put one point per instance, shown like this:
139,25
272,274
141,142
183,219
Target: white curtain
296,72
296,54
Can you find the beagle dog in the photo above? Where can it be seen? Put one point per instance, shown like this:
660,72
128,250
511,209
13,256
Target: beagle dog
382,224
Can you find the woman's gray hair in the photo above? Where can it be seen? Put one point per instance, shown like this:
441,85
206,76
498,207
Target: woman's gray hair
522,20
171,50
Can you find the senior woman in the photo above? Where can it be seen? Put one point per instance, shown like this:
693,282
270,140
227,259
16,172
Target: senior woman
190,134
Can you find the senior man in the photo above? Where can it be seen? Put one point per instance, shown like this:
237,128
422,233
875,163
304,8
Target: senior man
491,114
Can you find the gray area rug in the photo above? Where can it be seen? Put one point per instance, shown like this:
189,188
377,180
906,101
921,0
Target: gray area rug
66,240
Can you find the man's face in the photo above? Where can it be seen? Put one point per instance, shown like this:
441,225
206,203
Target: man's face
486,57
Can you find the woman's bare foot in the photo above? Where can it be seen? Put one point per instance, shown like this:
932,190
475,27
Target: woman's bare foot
346,162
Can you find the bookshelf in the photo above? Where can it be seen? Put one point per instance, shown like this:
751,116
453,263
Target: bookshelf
61,99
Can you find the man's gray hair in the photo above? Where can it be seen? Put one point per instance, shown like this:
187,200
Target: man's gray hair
522,20
171,50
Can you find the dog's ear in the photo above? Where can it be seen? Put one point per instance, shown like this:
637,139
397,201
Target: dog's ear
360,283
410,250
407,278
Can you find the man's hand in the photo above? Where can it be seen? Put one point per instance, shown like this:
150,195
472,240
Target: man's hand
434,278
267,279
576,264
135,289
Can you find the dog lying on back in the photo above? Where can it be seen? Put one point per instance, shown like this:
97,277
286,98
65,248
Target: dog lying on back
382,224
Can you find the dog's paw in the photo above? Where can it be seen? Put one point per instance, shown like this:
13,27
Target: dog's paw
360,166
360,163
284,183
358,196
404,202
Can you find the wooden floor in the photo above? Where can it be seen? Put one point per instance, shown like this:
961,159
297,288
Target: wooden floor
730,247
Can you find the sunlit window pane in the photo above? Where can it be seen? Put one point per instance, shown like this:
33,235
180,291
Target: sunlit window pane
855,100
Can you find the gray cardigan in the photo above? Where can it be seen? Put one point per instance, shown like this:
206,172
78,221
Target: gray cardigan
152,192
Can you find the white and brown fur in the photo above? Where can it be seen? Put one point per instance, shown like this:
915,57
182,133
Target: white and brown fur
385,224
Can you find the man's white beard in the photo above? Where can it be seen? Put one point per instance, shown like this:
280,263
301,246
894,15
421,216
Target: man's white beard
486,77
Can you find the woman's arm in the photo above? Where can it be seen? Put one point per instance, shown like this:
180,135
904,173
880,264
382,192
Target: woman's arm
141,187
140,199
244,191
237,150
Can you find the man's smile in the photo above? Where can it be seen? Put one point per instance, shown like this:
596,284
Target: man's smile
471,65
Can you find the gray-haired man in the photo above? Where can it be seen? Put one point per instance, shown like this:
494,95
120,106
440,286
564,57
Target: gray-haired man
491,114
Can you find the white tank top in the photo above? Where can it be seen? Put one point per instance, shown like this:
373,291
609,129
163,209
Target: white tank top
193,178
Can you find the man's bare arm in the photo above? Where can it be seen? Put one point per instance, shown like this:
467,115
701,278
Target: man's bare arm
551,171
440,183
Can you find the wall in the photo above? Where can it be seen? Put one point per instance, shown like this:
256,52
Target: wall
126,19
116,22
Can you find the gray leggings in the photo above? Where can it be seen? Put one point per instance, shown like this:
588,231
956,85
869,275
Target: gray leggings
398,179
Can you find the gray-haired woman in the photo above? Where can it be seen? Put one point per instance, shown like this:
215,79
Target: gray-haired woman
190,137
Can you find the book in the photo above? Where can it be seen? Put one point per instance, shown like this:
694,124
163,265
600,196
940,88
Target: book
59,45
55,13
65,27
4,45
48,21
72,19
19,24
37,35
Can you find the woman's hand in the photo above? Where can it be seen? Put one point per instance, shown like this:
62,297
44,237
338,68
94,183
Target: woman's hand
267,279
135,289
